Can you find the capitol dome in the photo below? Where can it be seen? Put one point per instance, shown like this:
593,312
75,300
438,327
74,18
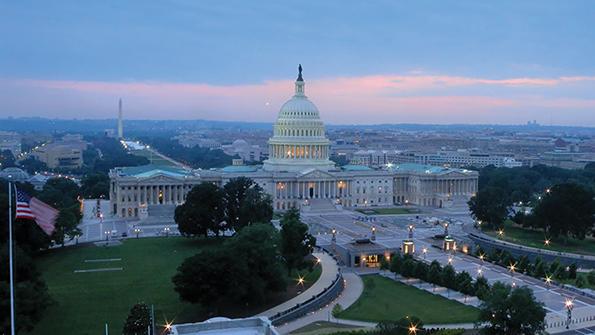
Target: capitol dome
299,141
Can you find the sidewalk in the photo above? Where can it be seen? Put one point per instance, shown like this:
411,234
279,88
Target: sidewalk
328,275
353,289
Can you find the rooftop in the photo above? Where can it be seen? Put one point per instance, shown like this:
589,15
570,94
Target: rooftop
223,326
145,171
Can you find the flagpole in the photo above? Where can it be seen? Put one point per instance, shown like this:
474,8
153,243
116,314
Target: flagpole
12,327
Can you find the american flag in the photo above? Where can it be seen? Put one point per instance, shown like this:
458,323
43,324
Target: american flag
34,209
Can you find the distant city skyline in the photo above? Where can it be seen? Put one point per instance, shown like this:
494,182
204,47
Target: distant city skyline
394,62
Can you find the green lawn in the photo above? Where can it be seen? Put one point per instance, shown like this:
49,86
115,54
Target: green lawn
536,239
323,327
86,301
153,158
386,299
386,211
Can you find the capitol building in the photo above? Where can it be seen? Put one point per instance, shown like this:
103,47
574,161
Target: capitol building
297,174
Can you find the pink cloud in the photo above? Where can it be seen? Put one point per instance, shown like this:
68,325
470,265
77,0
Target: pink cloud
365,99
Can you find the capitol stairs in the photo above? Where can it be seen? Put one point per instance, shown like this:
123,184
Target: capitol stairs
322,206
162,211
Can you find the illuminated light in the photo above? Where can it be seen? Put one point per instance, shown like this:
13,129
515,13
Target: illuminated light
546,242
425,250
300,281
548,280
547,190
449,260
481,257
568,303
412,329
500,232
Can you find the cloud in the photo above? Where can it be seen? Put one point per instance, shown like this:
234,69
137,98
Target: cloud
413,97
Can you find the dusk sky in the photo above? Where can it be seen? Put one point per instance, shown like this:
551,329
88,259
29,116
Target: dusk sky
500,62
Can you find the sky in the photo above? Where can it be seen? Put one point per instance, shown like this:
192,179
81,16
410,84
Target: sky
439,62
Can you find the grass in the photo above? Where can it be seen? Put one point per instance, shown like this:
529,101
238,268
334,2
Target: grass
153,158
386,299
387,211
536,239
86,301
323,327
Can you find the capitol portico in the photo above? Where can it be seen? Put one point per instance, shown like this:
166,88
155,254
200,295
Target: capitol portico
297,174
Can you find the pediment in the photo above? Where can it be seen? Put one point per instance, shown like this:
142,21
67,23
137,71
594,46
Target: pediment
161,178
315,174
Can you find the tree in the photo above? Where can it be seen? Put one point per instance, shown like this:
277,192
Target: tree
258,246
202,212
481,287
490,205
572,271
32,165
448,277
395,263
31,292
591,277
138,320
95,185
245,203
567,211
511,312
296,242
580,282
408,268
211,276
421,271
464,283
6,159
244,270
63,195
435,274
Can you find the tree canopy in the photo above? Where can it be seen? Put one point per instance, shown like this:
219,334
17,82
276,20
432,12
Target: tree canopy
244,270
202,211
296,242
566,210
245,203
508,311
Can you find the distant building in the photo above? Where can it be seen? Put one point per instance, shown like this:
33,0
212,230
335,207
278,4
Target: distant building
191,140
458,158
14,174
225,326
64,154
241,148
10,141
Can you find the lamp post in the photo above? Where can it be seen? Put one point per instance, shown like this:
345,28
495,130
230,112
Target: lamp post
373,233
446,229
569,306
548,281
166,230
425,252
137,231
106,235
410,228
334,238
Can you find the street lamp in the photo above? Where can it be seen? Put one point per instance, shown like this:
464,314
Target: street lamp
410,231
137,231
569,306
412,329
546,242
300,281
334,232
548,281
166,230
481,257
425,252
500,233
449,260
106,235
479,272
446,229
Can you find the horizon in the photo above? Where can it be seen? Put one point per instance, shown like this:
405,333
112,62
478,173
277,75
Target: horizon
390,63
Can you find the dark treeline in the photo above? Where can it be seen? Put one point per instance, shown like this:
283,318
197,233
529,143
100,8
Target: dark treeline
196,157
526,183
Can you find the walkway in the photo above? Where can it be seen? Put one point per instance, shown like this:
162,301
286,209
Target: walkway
329,273
353,289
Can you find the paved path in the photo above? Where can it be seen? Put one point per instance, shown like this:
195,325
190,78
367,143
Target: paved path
329,273
353,289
